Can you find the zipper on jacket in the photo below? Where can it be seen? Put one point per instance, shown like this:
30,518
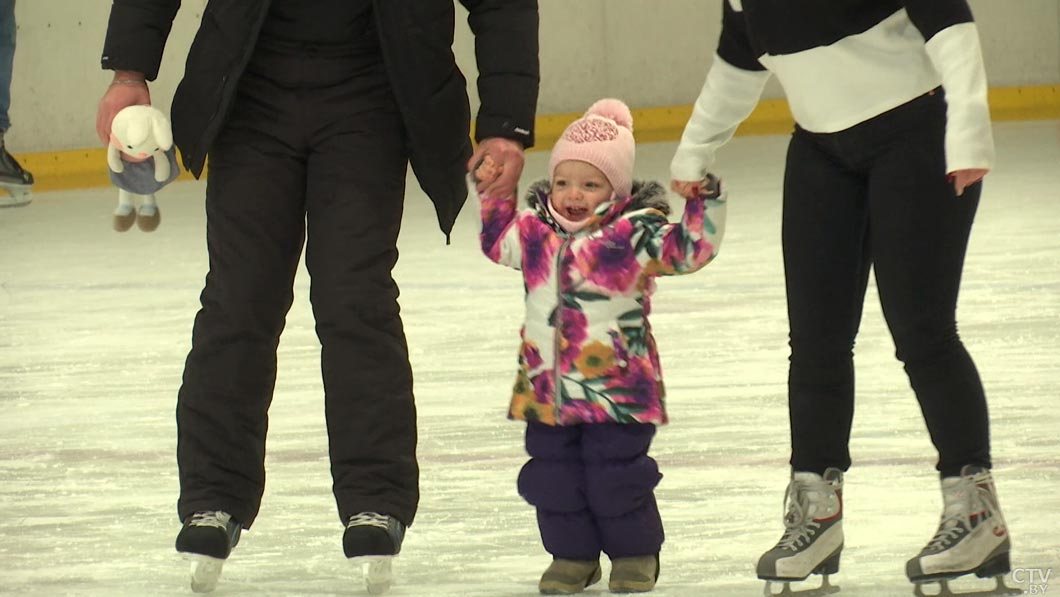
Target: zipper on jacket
556,351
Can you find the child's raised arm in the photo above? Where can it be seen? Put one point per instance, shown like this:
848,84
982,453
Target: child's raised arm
499,235
687,246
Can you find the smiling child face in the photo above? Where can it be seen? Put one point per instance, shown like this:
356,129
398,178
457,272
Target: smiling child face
578,188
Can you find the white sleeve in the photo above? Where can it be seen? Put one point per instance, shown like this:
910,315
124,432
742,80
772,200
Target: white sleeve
728,97
957,56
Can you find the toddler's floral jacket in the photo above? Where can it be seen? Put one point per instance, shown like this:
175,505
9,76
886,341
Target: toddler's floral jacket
587,354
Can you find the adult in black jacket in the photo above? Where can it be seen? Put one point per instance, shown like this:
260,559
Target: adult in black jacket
310,113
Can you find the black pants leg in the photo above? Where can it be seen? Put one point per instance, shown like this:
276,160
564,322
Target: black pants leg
920,236
877,193
255,223
277,157
825,237
355,194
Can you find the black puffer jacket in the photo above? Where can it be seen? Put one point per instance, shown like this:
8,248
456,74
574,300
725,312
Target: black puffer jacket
416,38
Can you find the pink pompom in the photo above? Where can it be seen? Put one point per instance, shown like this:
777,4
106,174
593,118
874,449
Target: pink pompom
614,109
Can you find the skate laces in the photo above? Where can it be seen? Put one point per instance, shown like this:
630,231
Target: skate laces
969,496
212,518
371,519
799,526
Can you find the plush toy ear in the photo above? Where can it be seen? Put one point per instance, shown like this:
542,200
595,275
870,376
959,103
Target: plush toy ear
163,132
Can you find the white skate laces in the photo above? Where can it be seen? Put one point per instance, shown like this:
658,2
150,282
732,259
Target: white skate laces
372,550
214,518
371,519
969,502
807,498
207,550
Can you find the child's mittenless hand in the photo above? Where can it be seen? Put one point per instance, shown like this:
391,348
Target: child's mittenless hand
487,171
708,188
509,158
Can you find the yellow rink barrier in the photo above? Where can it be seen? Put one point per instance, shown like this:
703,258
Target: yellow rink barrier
84,168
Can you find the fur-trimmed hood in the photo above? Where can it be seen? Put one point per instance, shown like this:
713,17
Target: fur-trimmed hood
645,195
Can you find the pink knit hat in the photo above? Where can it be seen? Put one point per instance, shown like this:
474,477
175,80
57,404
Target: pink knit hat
603,138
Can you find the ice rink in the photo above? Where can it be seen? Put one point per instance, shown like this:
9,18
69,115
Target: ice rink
95,326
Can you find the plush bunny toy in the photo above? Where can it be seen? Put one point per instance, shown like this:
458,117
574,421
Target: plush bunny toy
142,160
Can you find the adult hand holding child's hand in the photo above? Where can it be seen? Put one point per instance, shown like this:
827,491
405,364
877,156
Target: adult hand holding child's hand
506,157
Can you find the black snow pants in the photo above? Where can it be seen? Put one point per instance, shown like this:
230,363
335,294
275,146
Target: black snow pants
312,152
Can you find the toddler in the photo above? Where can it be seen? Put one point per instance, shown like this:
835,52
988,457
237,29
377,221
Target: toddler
589,386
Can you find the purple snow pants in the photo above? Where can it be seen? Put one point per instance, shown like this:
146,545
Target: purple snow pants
593,487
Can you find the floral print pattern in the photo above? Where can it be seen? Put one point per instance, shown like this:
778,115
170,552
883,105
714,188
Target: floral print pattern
588,354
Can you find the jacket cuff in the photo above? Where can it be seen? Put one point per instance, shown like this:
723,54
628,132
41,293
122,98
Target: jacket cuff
487,126
955,52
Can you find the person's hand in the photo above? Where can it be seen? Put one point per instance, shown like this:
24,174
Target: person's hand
487,171
963,179
127,89
708,188
507,157
686,188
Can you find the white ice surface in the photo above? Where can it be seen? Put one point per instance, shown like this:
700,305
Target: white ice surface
95,326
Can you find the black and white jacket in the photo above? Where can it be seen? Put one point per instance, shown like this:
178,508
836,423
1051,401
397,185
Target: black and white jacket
841,63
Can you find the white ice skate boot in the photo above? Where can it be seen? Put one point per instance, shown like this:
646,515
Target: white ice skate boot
207,539
17,181
972,537
371,541
813,534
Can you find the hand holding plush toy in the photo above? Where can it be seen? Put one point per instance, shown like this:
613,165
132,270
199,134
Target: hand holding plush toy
142,160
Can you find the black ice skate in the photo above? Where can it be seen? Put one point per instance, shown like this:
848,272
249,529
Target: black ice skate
16,181
371,541
207,539
813,534
972,537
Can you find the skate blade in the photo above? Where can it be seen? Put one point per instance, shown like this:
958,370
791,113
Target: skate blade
944,589
826,588
18,195
376,572
205,572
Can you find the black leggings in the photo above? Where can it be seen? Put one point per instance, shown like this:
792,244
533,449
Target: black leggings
876,195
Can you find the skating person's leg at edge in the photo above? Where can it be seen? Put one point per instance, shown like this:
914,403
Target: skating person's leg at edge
13,178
